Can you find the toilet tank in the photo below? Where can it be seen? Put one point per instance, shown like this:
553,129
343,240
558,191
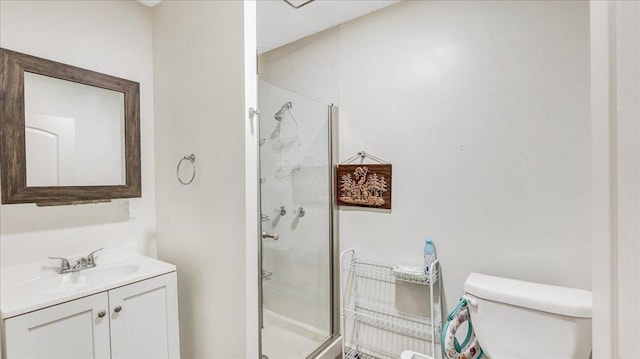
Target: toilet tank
519,319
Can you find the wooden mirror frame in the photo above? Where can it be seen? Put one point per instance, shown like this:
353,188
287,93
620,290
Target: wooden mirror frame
13,159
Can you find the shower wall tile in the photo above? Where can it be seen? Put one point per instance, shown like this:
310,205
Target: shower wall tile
299,288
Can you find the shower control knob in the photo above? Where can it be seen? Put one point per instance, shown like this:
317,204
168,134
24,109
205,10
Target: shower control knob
274,236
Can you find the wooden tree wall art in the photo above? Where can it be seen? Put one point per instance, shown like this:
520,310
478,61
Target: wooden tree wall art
364,185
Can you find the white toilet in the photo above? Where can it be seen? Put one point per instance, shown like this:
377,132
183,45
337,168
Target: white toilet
515,319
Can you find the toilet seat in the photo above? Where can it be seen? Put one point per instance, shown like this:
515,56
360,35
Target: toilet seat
451,348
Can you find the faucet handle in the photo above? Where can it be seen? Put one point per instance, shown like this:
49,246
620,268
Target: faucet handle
90,260
64,263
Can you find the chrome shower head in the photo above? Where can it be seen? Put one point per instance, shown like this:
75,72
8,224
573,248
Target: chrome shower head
285,107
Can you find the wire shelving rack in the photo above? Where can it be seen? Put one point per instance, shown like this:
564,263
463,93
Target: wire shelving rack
374,322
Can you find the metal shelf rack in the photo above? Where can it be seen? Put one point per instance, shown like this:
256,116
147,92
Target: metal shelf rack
374,324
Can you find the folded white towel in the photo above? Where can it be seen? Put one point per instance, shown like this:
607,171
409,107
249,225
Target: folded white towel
410,270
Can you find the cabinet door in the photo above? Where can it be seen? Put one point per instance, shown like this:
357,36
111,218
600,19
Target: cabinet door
144,319
65,331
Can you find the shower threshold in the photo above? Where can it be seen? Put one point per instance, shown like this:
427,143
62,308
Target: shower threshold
301,338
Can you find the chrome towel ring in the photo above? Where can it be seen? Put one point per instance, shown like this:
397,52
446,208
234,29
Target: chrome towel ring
191,158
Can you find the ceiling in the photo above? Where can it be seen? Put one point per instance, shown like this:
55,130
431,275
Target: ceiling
280,24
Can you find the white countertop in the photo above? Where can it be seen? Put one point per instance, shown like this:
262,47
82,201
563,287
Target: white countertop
34,286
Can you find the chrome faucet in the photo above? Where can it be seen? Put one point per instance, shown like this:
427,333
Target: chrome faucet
91,262
81,263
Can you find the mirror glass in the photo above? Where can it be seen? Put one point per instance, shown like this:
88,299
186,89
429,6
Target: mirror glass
74,133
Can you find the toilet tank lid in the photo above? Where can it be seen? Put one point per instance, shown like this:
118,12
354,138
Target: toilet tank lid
543,297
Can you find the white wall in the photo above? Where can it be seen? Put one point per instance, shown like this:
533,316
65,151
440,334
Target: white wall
615,78
251,218
628,176
199,88
112,37
483,109
310,66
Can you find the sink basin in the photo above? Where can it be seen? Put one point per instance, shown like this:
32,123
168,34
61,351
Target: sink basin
76,281
34,286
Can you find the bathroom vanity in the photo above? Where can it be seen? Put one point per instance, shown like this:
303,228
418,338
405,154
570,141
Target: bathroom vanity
125,307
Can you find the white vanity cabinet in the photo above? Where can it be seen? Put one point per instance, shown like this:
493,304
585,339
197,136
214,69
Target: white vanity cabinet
144,319
68,330
135,321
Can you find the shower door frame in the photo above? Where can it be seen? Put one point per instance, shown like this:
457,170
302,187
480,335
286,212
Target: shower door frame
334,237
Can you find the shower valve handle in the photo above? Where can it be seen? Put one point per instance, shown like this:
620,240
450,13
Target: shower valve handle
274,236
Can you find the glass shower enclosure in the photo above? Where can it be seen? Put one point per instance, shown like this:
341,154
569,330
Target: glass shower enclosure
299,311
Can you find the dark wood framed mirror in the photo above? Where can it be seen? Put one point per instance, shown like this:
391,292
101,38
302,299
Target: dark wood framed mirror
68,135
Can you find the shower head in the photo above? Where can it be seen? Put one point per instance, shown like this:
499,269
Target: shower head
285,107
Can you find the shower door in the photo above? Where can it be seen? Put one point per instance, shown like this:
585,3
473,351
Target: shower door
297,224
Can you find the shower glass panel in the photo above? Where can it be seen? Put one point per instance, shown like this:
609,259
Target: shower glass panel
296,202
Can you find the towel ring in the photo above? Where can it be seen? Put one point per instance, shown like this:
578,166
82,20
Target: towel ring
191,158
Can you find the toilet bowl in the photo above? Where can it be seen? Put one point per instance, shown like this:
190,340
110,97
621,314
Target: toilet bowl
515,319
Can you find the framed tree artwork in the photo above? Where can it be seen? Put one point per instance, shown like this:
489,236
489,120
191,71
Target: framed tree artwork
364,185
